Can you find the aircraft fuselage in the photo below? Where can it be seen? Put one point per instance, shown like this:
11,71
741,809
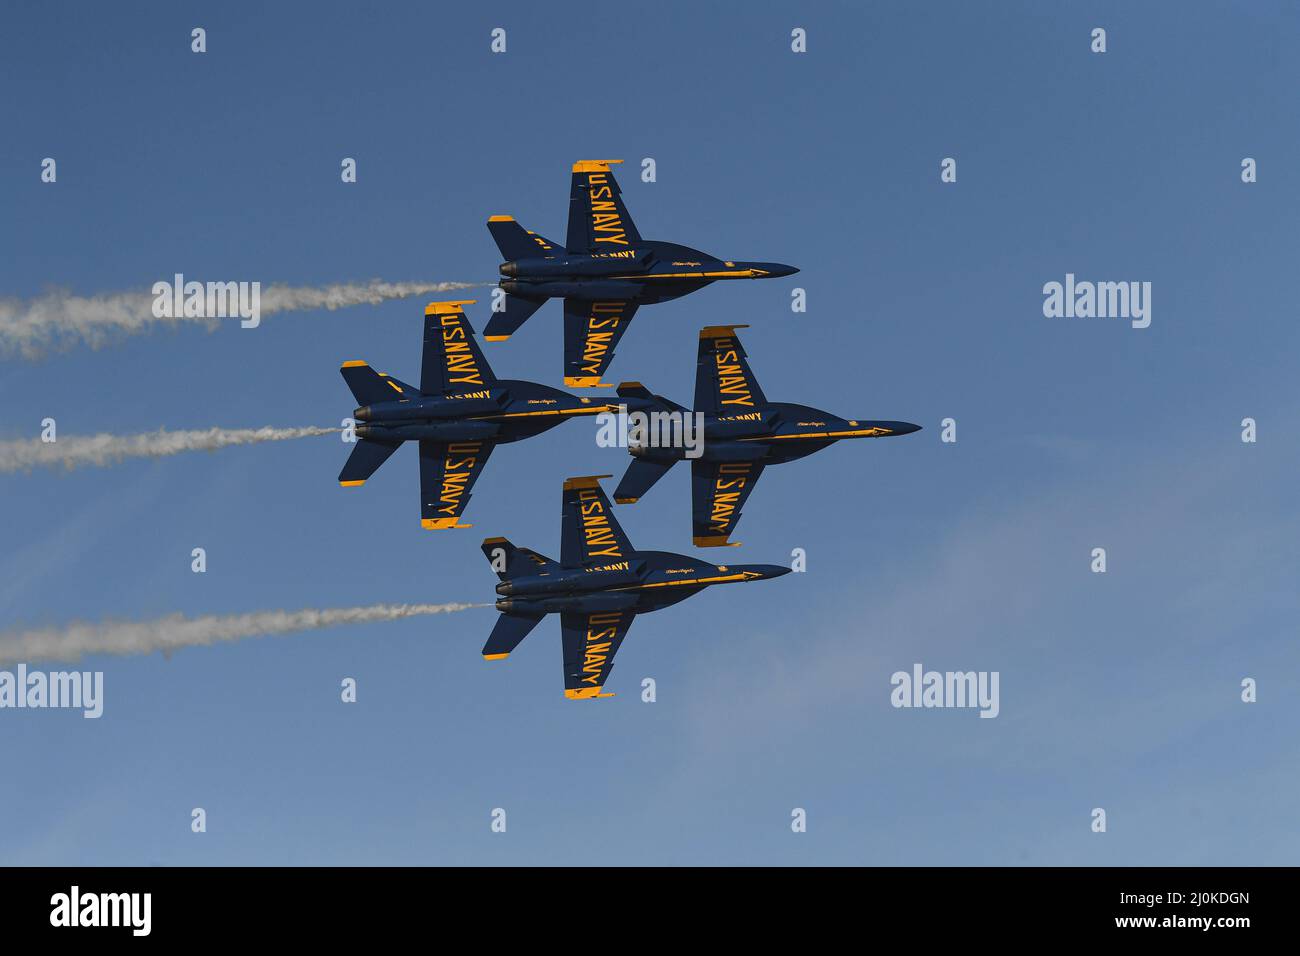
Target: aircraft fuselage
645,581
773,433
651,272
506,411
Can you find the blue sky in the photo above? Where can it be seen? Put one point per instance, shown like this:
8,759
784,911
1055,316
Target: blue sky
924,302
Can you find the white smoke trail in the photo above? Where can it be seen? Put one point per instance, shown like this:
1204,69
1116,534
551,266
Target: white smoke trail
166,634
104,449
287,298
60,320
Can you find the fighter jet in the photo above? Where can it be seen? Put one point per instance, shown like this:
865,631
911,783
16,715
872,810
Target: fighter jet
742,434
460,412
604,272
598,586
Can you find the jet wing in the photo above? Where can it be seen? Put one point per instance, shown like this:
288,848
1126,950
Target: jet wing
591,330
448,471
724,382
598,220
589,531
590,643
718,492
452,360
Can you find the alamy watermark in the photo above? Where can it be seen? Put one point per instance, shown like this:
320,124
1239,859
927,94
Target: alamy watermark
922,688
637,430
212,300
128,910
1102,300
82,690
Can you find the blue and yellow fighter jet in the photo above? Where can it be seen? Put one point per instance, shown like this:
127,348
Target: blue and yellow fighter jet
604,272
460,412
742,434
597,587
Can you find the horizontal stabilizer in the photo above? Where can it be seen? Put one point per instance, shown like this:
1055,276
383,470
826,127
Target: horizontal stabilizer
370,387
511,562
510,629
639,478
639,398
516,242
365,460
518,310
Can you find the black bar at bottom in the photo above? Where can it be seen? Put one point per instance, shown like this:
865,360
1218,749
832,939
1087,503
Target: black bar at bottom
217,904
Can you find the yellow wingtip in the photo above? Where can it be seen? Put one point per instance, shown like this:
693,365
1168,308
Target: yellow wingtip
585,693
594,165
442,524
584,481
352,484
719,331
714,541
446,308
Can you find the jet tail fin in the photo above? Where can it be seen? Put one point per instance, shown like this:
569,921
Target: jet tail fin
639,478
516,242
365,460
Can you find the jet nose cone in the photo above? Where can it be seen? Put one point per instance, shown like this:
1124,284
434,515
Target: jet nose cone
903,428
776,270
765,571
